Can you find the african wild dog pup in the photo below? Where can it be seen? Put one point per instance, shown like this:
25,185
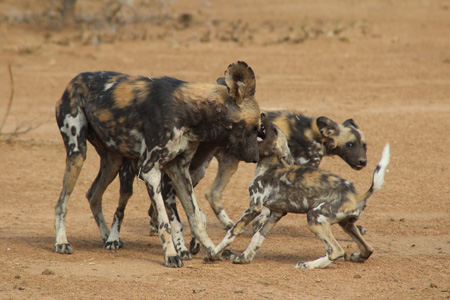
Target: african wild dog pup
151,127
309,139
325,198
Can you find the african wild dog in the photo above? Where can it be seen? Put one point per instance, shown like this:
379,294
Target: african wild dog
309,140
147,127
325,198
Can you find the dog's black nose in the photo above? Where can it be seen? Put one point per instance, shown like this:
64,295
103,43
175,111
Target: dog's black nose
363,162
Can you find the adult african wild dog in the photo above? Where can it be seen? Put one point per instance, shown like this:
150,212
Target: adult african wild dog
309,139
147,127
325,198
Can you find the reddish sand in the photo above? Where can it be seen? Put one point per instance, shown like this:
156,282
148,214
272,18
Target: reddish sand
386,64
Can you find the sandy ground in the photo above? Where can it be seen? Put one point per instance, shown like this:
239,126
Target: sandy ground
386,64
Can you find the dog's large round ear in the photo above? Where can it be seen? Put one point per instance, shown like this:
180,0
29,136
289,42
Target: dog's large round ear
327,127
240,80
349,122
221,81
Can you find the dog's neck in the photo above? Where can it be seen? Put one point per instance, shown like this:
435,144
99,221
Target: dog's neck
319,138
265,163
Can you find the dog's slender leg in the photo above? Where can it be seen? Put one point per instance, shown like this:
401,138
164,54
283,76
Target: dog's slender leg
153,177
260,219
228,165
366,250
74,163
319,225
258,238
109,168
126,176
178,171
249,214
175,222
73,130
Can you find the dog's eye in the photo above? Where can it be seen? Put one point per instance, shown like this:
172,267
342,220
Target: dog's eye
255,128
365,146
275,131
349,145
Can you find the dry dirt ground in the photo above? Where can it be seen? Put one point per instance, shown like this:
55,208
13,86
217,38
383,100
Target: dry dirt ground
384,63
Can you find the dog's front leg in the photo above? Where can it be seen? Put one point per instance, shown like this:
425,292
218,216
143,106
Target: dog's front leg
248,216
178,171
259,237
228,165
153,178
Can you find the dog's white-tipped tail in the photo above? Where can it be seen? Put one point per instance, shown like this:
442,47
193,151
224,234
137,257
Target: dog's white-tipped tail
378,174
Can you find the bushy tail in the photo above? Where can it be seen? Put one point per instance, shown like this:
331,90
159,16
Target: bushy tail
378,174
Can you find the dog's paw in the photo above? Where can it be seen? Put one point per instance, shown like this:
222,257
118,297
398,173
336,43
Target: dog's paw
194,246
356,257
185,255
227,254
174,262
113,245
210,256
65,248
303,266
241,259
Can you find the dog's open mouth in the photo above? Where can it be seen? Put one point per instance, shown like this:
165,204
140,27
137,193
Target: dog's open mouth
261,134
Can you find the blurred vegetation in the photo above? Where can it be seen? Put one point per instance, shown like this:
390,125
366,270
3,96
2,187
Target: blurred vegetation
107,21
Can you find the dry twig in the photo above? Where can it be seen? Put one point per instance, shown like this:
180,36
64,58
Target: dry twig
19,129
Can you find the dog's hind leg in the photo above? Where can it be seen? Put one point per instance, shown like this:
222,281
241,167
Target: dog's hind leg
320,226
73,125
174,219
258,238
109,168
366,250
152,175
126,175
227,166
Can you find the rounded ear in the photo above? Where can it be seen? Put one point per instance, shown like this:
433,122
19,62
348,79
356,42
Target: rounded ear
327,127
221,81
240,80
349,122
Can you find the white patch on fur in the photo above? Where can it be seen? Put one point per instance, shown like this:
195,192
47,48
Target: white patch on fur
305,203
108,85
78,122
114,234
111,143
321,219
302,161
138,140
